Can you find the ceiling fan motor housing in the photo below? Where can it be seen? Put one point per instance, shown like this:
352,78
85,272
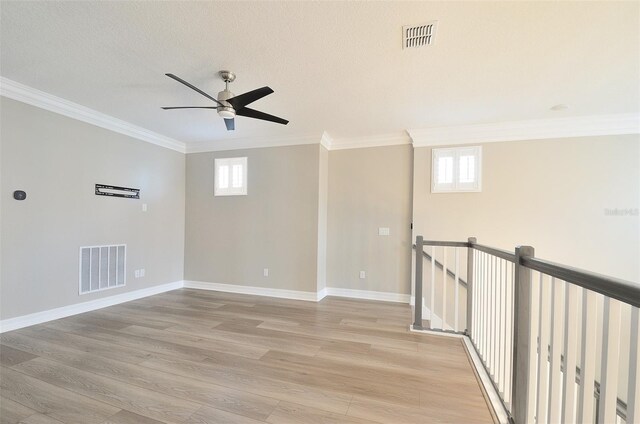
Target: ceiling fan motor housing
227,111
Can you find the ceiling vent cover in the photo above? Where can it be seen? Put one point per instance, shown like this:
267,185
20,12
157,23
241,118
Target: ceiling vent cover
419,35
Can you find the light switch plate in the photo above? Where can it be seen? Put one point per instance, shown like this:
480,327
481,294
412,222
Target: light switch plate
363,275
265,272
383,231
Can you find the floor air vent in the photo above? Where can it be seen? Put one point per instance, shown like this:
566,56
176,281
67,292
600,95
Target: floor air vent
102,267
419,35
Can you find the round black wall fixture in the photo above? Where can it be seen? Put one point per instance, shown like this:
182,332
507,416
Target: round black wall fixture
19,195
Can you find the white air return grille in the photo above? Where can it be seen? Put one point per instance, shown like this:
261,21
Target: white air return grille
102,267
419,35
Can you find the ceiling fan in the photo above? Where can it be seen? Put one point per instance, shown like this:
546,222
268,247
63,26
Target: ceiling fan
229,105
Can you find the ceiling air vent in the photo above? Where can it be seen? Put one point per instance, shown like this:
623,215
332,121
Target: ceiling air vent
419,35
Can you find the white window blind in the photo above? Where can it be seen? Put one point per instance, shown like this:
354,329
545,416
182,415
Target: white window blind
456,169
230,177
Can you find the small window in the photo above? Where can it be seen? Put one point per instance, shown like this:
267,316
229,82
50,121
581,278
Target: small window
456,169
230,177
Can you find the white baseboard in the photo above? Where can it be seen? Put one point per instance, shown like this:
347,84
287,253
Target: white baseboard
258,291
78,308
490,390
368,294
92,305
426,314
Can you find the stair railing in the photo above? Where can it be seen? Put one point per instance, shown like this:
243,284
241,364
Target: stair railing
535,324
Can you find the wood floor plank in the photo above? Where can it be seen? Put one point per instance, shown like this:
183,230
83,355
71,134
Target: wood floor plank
49,399
222,346
40,419
43,339
208,415
13,412
240,402
195,356
116,393
10,356
291,413
247,381
302,347
145,344
126,417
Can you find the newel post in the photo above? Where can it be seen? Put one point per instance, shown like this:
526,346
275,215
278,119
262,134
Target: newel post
417,322
472,241
521,336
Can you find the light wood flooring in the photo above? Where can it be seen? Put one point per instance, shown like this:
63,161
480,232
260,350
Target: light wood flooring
192,356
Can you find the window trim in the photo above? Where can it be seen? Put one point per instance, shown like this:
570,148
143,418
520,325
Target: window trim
456,186
229,163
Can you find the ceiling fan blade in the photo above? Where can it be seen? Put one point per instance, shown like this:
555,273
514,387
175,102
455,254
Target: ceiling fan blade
230,123
190,107
252,113
193,87
249,97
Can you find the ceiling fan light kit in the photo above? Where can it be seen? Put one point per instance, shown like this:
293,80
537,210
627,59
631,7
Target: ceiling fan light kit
229,105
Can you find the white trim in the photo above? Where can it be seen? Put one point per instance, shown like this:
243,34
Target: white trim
396,139
489,388
79,308
326,140
368,294
579,126
252,143
436,333
229,163
321,294
258,291
485,380
34,97
456,186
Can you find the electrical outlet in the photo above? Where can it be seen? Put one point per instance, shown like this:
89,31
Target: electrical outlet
363,275
265,272
142,272
136,273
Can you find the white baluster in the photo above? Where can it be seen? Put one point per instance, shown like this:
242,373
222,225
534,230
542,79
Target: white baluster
456,286
533,354
570,353
557,317
444,287
499,326
587,358
633,398
609,362
542,409
432,309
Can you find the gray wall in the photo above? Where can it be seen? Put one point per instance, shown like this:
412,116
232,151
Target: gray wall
231,239
370,188
57,161
551,194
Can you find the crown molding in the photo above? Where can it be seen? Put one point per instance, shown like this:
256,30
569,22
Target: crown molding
25,94
254,143
394,139
326,140
579,126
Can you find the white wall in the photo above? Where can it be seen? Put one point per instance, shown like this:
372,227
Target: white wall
57,161
550,194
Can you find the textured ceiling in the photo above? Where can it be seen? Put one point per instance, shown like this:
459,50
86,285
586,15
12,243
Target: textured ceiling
334,66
